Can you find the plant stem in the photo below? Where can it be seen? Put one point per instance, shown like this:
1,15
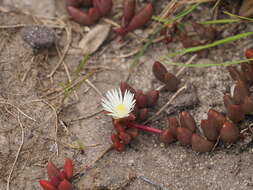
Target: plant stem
145,128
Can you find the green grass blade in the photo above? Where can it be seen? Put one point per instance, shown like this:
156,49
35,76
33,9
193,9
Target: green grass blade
216,43
221,21
82,64
209,65
180,15
237,16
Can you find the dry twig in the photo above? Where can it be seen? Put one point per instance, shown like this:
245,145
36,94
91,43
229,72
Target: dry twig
17,155
167,104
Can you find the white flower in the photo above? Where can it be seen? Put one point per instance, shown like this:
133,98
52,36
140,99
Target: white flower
118,105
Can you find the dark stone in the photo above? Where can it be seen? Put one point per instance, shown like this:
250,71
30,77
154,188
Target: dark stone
38,36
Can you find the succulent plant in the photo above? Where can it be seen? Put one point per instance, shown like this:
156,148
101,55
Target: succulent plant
58,180
97,9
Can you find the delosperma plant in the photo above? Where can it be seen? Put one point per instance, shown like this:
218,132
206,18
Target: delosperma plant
58,180
132,19
129,107
96,10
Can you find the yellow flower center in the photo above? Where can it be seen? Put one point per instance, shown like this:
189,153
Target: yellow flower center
121,109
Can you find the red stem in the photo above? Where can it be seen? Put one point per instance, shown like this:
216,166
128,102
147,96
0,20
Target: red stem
145,128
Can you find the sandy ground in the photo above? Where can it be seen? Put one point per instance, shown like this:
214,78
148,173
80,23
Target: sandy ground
38,114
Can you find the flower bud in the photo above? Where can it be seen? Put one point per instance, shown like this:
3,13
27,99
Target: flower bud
141,99
152,97
167,137
187,121
159,71
235,113
173,125
200,144
229,132
217,118
184,135
209,129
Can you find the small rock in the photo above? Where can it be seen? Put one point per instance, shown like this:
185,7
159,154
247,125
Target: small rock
38,37
94,39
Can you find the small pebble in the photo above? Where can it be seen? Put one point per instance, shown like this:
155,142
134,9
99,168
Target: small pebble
38,37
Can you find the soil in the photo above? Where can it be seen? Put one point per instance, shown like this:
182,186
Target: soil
41,118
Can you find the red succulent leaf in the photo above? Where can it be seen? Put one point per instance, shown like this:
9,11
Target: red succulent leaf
103,6
64,175
65,185
133,132
116,143
83,18
227,100
143,114
209,129
217,118
229,132
159,71
235,74
53,171
171,82
141,18
46,185
152,97
247,70
249,53
125,137
184,135
167,137
173,124
187,121
128,11
247,105
125,86
68,168
55,181
235,113
200,144
240,92
141,99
